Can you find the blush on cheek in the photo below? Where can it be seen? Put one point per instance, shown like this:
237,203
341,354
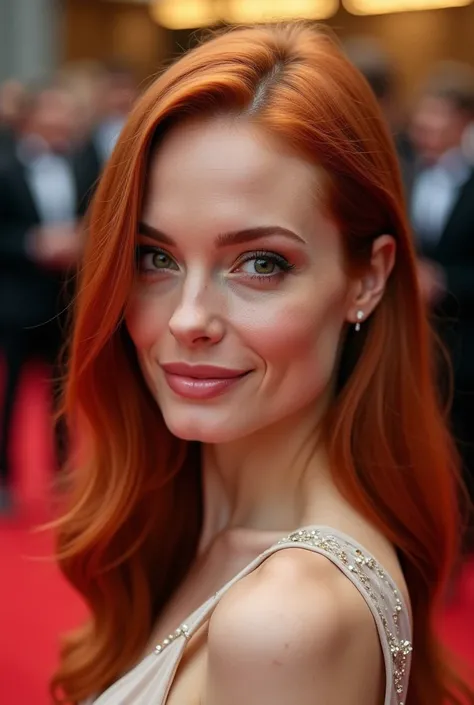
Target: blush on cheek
282,331
298,344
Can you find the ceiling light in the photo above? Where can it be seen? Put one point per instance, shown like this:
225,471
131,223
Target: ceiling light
190,14
184,14
255,11
381,7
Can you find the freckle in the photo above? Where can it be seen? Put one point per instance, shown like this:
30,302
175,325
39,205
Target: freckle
287,645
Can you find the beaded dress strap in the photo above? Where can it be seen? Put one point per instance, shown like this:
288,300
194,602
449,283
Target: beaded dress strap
380,592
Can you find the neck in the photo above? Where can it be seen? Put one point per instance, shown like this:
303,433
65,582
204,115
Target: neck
268,482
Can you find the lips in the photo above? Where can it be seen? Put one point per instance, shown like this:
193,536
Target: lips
202,371
201,382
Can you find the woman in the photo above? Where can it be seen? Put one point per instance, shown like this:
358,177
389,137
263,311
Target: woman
250,356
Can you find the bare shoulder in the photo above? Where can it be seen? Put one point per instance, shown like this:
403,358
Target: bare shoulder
294,622
293,592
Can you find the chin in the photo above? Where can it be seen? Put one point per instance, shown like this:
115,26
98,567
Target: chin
201,429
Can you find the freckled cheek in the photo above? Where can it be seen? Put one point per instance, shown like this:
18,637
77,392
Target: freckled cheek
147,320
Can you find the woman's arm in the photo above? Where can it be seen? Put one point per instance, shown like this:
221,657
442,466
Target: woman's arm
294,632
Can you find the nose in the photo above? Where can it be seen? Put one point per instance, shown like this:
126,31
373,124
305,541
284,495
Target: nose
195,321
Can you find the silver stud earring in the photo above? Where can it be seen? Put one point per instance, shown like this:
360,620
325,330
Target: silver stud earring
360,316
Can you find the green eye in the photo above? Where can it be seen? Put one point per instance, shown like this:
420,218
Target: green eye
161,260
264,265
151,259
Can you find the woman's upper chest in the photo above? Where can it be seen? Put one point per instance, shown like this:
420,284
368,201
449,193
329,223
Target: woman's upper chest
209,574
181,670
229,555
211,571
188,682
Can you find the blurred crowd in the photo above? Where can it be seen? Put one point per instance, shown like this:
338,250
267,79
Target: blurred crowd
434,139
55,139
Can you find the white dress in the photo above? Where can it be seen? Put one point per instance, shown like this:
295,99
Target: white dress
149,682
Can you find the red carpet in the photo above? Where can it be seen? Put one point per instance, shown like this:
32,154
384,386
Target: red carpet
36,604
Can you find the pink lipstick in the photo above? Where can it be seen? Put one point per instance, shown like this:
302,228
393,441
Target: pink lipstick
200,381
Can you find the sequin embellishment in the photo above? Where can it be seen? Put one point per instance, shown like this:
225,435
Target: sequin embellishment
181,631
364,569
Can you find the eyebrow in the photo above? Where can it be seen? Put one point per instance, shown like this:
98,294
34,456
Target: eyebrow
236,237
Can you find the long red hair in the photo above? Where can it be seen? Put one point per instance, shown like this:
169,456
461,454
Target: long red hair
134,517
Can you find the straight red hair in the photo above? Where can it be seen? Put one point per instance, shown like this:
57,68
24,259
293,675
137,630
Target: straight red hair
134,518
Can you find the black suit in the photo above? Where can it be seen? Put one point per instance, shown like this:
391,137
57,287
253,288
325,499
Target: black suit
406,158
89,159
7,141
454,252
32,301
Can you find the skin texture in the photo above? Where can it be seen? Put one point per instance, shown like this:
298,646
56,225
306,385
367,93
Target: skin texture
295,630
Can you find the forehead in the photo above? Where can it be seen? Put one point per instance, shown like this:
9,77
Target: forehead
231,173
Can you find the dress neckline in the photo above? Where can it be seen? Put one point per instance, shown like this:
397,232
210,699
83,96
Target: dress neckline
187,627
153,675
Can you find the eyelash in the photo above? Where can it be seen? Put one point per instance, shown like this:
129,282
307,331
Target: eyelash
279,260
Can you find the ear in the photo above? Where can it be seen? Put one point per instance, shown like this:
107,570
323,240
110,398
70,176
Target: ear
368,289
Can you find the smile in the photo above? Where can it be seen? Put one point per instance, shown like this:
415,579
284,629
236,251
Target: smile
201,381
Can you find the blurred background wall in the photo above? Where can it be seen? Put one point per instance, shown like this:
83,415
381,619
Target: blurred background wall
99,28
38,35
28,38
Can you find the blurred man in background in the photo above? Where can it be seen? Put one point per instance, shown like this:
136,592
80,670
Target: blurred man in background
442,214
43,194
377,67
12,98
116,95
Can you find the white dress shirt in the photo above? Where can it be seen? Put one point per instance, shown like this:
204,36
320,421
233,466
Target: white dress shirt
435,193
106,136
51,182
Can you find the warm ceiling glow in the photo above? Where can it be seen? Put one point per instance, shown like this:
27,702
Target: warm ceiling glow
188,14
252,11
381,7
183,14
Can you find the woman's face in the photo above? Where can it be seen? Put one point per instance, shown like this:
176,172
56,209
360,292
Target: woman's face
241,294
